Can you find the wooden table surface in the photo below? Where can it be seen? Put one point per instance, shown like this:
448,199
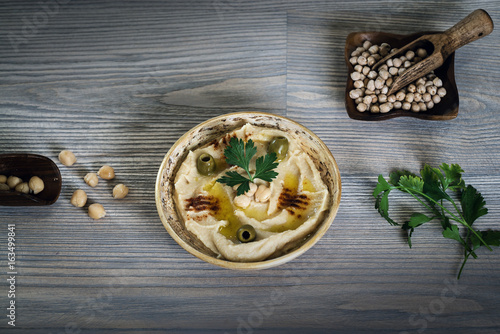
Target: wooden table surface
119,82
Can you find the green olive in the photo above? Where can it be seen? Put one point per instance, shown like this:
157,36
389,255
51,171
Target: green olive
278,145
205,164
246,233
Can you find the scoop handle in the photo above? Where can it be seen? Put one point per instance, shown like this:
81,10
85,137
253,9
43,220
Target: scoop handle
473,27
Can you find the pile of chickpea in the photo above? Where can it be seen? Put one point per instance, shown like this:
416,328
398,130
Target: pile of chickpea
79,198
371,86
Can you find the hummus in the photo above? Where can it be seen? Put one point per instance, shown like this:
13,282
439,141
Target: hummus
296,205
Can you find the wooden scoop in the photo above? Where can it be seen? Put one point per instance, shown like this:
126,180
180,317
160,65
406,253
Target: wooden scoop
25,166
476,25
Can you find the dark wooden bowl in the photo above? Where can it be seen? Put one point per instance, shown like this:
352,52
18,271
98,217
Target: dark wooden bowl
25,166
445,110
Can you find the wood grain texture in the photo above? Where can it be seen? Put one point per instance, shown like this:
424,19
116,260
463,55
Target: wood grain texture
119,82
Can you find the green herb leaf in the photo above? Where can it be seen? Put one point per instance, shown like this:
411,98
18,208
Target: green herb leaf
395,176
453,233
418,219
453,176
264,167
432,186
429,190
239,153
382,185
472,204
412,182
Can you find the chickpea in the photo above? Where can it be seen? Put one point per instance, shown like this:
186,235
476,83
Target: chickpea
370,85
67,158
432,90
355,76
120,191
437,82
362,60
4,186
373,49
411,88
441,92
398,105
375,109
410,55
79,198
397,62
242,201
3,179
421,52
23,187
436,99
353,60
358,84
393,71
422,106
36,184
415,107
361,107
262,194
406,106
358,68
400,96
106,172
96,211
427,97
366,70
13,181
385,108
91,179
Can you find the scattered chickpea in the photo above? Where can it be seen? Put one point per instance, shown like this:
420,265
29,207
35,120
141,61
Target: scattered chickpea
36,184
91,179
106,172
96,211
13,181
120,191
67,158
79,198
3,179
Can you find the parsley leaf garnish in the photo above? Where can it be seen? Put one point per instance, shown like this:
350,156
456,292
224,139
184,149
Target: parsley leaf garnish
239,153
430,190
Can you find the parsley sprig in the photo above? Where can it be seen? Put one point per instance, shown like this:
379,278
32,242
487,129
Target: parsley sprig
430,190
240,153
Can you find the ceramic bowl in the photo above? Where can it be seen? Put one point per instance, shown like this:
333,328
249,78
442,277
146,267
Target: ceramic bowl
215,128
445,110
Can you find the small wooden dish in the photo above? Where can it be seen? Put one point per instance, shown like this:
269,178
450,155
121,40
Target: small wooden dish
445,110
25,166
215,128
